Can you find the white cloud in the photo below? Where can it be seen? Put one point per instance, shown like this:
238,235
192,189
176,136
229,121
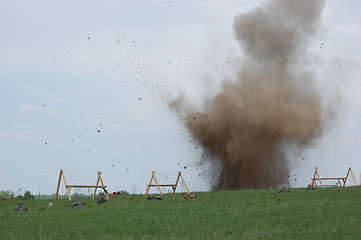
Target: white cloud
28,109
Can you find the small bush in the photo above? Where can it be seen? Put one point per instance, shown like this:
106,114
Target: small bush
5,195
28,195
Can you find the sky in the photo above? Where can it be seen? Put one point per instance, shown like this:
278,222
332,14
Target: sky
85,86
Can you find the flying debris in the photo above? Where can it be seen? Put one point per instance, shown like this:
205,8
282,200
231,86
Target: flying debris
246,124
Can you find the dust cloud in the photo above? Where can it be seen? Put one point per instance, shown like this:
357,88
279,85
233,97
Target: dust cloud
272,102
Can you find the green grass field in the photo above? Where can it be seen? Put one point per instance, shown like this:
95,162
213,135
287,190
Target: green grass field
329,213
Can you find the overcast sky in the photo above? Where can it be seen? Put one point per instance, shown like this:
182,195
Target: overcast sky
85,86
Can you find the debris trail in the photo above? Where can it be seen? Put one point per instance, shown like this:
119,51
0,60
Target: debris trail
271,102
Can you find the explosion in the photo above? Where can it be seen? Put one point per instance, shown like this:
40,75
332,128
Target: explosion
271,103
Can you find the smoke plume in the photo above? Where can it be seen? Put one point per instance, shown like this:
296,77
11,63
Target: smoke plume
271,103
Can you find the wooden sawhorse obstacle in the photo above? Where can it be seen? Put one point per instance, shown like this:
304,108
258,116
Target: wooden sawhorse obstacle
68,187
174,186
340,181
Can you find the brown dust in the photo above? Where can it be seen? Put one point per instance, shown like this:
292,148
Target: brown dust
271,103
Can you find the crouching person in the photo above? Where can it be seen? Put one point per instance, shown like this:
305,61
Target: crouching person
21,207
77,203
101,199
284,189
187,196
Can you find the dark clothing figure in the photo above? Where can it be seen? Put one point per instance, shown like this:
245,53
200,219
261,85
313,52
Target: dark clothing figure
101,200
21,207
284,189
154,198
77,203
187,196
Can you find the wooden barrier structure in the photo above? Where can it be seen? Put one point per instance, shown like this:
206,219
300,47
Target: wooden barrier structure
174,186
68,187
340,181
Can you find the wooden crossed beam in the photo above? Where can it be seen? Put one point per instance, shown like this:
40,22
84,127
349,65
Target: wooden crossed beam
174,186
341,181
69,187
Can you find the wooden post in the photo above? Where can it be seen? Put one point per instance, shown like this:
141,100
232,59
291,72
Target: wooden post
348,173
176,183
104,189
68,188
313,183
150,183
185,185
95,190
339,182
319,178
160,191
345,180
57,188
316,176
353,177
61,176
174,186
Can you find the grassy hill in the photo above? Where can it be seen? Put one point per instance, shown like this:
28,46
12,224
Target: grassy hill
329,213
